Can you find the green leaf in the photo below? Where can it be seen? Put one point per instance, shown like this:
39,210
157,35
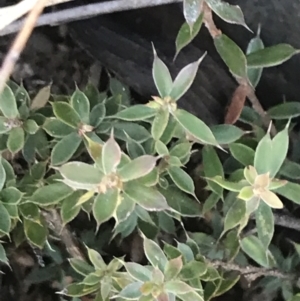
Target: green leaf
212,167
2,175
173,268
65,149
5,222
68,211
10,195
35,233
81,266
97,114
229,13
254,74
111,155
96,259
147,197
30,211
190,296
235,215
186,35
290,170
185,79
78,290
253,247
124,209
210,202
285,110
161,148
64,112
136,132
186,251
195,127
105,205
232,55
192,10
227,284
41,99
138,272
3,257
161,75
30,126
16,140
193,269
4,125
290,191
80,103
264,224
135,113
231,186
280,145
177,287
154,254
160,123
81,175
51,194
182,180
226,133
181,202
56,128
181,150
242,153
271,56
263,155
8,103
137,168
131,292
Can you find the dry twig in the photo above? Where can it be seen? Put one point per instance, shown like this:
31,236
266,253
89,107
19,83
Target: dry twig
86,11
20,42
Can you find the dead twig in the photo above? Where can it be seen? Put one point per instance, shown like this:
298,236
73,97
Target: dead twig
86,11
20,42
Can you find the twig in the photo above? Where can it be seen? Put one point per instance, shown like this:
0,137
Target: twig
55,223
19,43
251,272
214,32
86,11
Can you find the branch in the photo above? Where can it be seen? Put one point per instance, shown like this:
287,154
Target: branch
86,12
251,273
20,42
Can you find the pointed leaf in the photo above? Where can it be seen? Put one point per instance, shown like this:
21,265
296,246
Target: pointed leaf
190,296
186,35
137,168
56,128
2,175
290,191
252,246
96,259
82,174
271,199
5,222
80,103
51,194
9,195
135,113
173,268
280,145
235,215
271,56
16,140
65,149
111,155
264,224
185,79
242,153
35,233
8,103
229,13
182,180
192,10
147,197
137,271
161,75
64,112
160,123
246,193
285,110
193,269
177,287
195,126
105,205
226,133
68,211
131,292
263,155
231,186
81,266
154,254
232,55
